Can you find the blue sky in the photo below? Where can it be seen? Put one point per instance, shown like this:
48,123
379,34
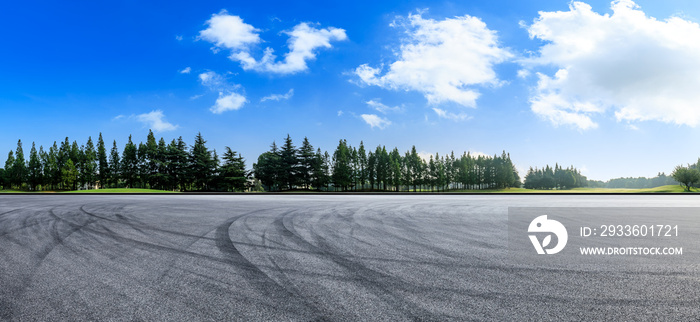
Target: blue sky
606,87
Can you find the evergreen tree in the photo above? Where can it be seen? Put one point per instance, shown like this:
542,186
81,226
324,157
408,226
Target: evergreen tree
53,167
129,164
102,165
181,163
9,169
44,164
319,171
19,168
202,164
289,174
34,169
90,167
341,166
3,179
362,160
115,166
233,174
151,160
307,160
69,174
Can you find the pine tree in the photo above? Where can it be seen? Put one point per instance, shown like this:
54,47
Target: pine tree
289,173
341,166
89,170
45,181
202,164
307,158
115,166
181,161
129,164
9,170
102,165
19,168
362,160
69,174
34,169
53,167
233,174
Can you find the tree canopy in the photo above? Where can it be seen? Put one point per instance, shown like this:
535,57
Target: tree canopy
155,165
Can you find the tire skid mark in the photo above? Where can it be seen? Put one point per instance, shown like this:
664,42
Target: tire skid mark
195,240
370,279
256,276
282,274
434,249
57,237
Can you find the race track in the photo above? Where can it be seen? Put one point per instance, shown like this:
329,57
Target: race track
315,257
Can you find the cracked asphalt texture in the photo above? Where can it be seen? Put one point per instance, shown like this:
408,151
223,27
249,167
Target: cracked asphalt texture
315,257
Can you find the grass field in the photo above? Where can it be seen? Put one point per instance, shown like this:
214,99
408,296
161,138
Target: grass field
662,189
115,190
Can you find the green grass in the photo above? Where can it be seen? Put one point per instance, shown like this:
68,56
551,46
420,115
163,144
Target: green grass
661,189
121,190
13,191
114,190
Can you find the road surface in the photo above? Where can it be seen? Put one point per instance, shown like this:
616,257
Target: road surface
315,257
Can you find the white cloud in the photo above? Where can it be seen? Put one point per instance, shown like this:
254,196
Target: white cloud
178,38
227,31
443,59
375,121
451,116
118,117
637,66
213,81
340,113
278,97
382,108
187,70
523,73
228,102
155,120
230,32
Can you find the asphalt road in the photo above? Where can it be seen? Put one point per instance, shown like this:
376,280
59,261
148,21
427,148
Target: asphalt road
302,258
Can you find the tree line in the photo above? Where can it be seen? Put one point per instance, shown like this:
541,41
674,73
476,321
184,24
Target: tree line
549,178
357,169
154,165
177,166
661,179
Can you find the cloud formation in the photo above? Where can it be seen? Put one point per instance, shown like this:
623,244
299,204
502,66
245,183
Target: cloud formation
155,120
187,70
451,116
444,60
229,99
278,97
228,102
382,108
626,62
375,121
227,31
